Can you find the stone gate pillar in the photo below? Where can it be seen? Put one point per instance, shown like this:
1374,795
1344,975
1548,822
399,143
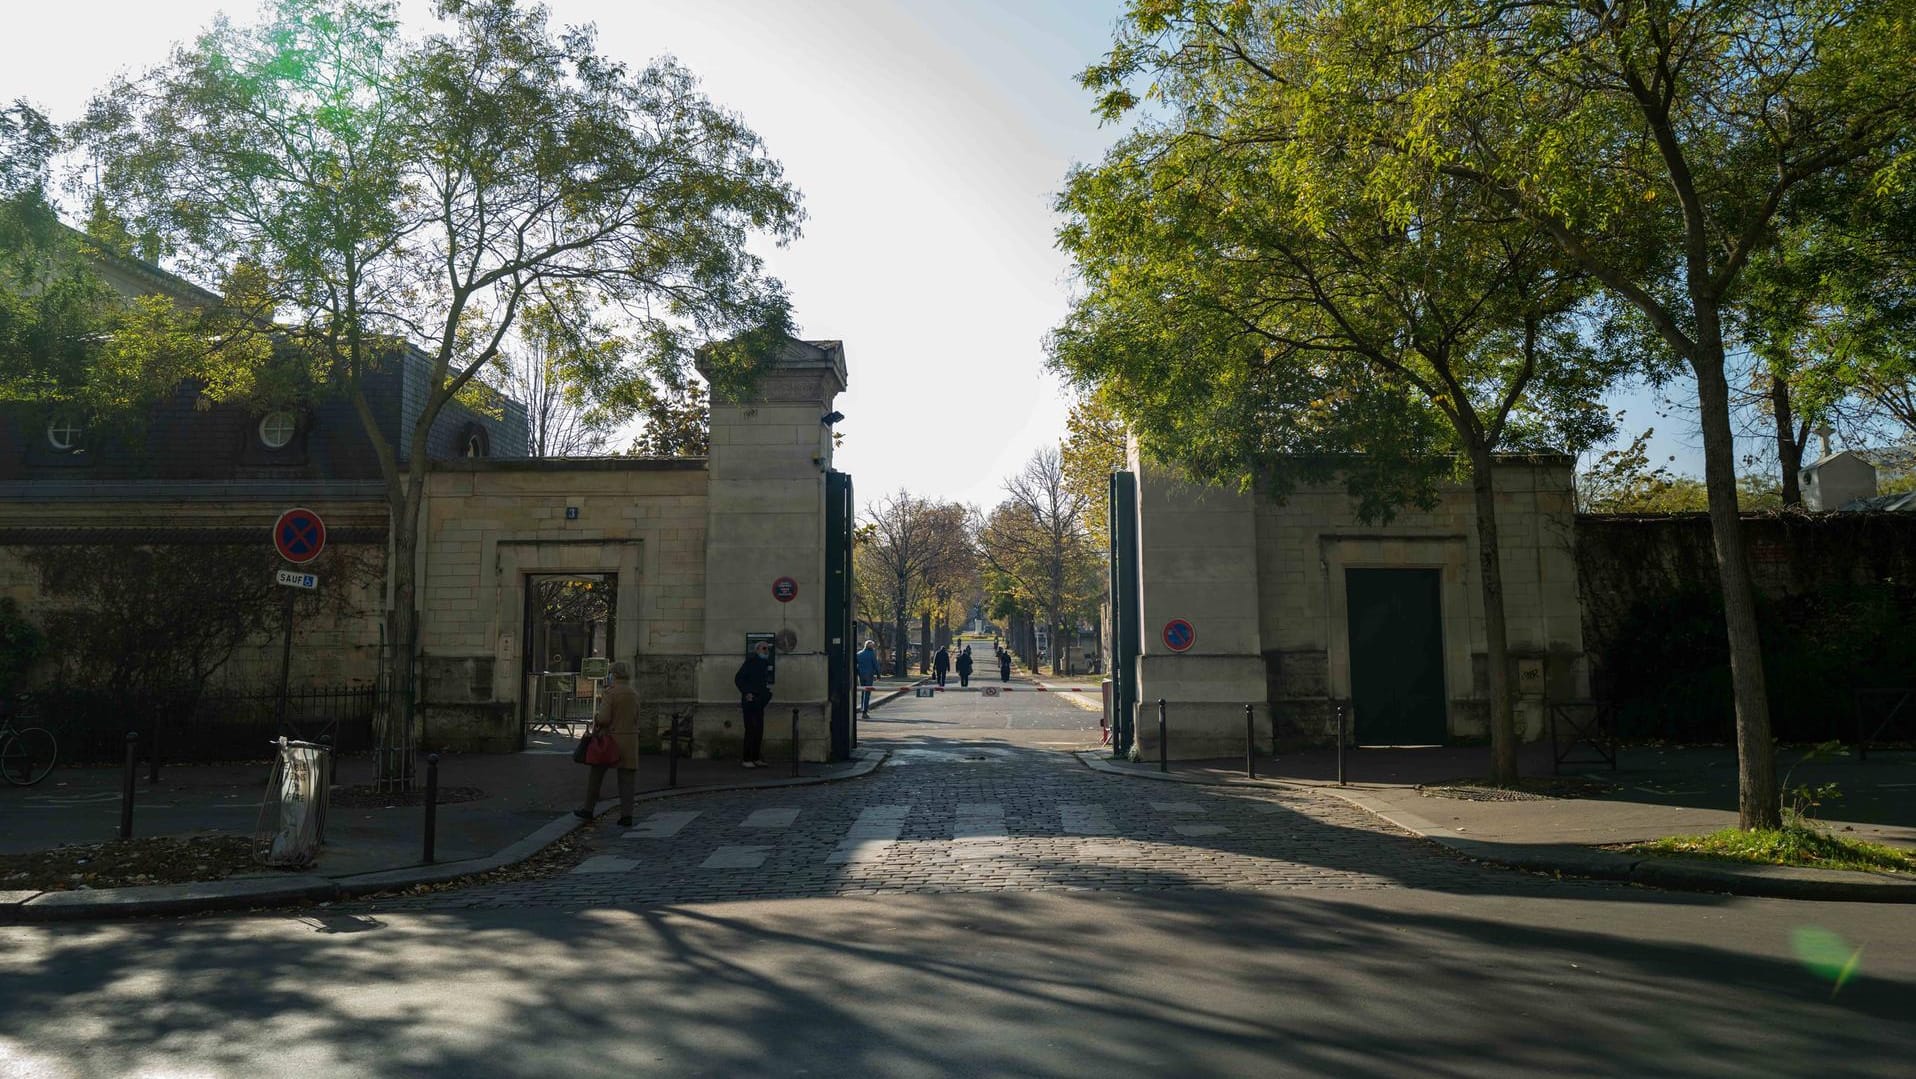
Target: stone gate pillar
766,521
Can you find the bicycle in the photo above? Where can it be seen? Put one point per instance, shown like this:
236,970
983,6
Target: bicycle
27,754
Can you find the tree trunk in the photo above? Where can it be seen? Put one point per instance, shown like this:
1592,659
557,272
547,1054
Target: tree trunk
924,642
393,731
1503,719
1758,802
898,655
1789,448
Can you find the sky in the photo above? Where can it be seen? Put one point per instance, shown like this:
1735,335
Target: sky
928,138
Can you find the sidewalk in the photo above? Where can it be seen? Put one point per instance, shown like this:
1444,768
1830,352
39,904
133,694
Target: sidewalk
1653,793
526,804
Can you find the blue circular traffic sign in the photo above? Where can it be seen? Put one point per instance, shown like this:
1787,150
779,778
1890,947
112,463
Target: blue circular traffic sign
299,535
1179,636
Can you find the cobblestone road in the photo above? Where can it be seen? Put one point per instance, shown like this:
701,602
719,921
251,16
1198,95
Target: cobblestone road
981,794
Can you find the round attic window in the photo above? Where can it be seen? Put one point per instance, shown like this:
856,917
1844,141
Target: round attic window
276,430
63,434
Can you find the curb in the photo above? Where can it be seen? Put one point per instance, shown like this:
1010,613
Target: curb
248,892
1670,874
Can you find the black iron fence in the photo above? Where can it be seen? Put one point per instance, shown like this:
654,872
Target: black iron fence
221,726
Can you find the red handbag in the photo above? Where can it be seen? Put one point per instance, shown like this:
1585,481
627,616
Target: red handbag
602,749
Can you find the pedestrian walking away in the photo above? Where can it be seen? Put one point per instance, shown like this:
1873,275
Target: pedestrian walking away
964,667
867,676
754,682
618,718
941,664
1004,665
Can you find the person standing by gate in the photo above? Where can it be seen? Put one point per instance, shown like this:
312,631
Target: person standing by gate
941,664
754,682
1004,664
867,677
964,667
618,716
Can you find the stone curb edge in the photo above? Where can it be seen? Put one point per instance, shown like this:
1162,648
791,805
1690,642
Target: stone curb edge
1670,874
248,892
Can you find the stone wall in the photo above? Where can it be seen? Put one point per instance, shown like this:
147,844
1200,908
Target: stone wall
1836,610
341,647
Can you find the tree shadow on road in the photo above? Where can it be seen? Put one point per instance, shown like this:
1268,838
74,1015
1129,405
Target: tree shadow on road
1169,982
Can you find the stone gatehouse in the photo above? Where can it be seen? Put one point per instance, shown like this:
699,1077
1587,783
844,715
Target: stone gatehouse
692,548
1298,608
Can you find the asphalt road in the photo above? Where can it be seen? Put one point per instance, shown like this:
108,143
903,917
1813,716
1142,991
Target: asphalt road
1018,916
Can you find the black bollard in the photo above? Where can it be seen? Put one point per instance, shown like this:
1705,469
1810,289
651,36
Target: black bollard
126,784
432,800
325,791
1164,741
672,752
1340,745
794,741
1250,743
153,751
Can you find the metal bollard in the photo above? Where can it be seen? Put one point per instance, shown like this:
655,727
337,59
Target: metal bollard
1164,741
1340,745
1250,743
126,784
325,782
153,751
672,752
794,741
432,801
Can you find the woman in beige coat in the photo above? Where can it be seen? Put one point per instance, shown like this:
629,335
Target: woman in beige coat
618,716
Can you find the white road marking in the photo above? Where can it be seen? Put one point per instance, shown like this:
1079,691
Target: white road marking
873,833
770,818
978,820
1177,807
1086,820
978,831
605,863
1200,829
662,825
736,858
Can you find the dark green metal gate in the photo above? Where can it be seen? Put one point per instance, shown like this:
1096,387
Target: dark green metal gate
1125,635
839,649
1397,656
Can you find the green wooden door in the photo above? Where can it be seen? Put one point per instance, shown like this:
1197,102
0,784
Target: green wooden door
1397,656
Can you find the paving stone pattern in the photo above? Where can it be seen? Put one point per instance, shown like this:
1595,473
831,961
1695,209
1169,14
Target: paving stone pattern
1010,820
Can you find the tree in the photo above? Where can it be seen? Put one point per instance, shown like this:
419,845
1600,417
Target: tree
1093,448
69,342
1410,325
1037,542
1656,144
677,424
414,195
540,374
904,545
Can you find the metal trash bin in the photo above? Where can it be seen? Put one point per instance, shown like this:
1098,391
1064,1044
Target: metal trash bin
292,819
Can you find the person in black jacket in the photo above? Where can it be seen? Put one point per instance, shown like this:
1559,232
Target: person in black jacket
754,682
1004,664
941,664
964,666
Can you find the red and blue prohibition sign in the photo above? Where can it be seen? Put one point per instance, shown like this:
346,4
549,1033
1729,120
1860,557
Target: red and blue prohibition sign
1179,636
299,535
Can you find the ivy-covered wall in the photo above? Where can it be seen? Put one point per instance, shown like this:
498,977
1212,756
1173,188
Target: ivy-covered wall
1836,600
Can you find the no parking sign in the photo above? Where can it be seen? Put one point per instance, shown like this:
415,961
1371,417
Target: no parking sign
299,535
1179,635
